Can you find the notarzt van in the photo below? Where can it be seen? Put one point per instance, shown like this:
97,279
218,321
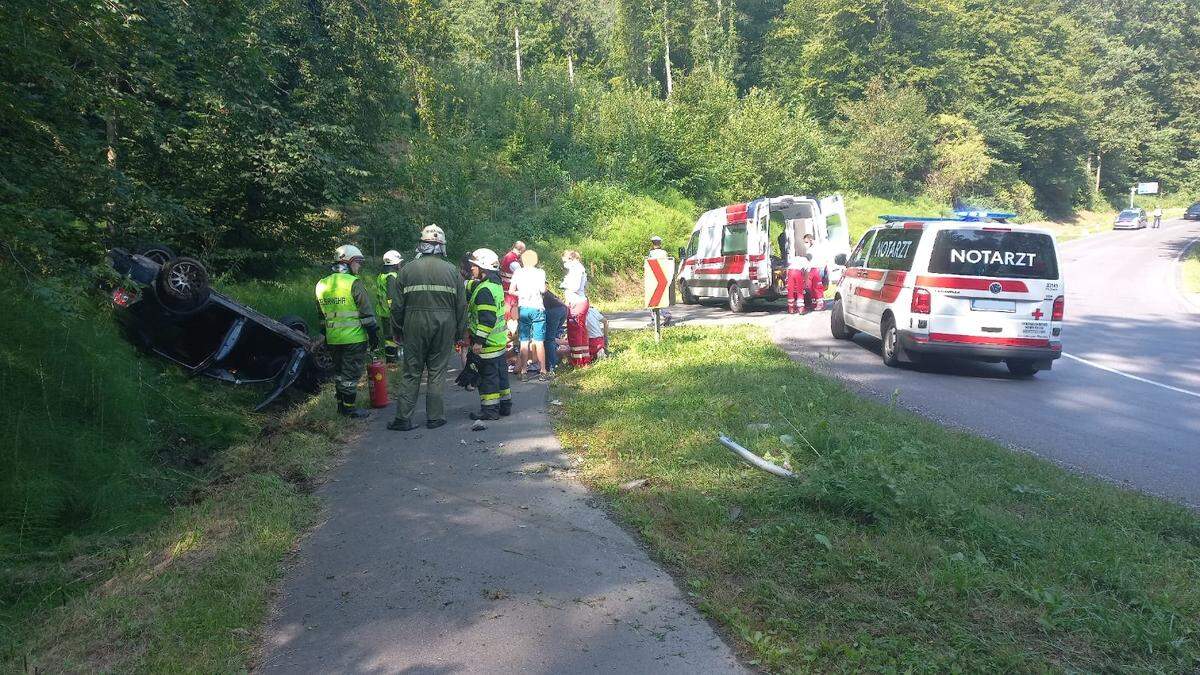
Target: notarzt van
735,251
972,287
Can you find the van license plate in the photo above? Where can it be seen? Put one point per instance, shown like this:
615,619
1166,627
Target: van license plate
989,305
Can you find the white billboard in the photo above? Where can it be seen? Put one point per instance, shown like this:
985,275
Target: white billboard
1147,188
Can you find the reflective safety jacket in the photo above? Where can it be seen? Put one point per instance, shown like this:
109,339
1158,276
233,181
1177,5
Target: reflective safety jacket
383,306
345,308
485,320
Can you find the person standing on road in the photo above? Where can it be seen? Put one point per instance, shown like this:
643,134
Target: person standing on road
1157,216
528,284
815,283
509,264
797,275
489,336
656,248
556,316
383,303
348,324
574,285
429,311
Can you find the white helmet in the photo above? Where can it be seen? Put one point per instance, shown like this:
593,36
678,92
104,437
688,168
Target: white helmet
392,258
433,234
486,258
347,253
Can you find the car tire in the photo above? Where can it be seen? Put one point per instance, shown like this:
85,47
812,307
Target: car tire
182,284
837,322
320,357
295,322
891,343
159,253
737,301
1021,367
686,295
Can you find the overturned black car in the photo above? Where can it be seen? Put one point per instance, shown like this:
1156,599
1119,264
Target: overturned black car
167,307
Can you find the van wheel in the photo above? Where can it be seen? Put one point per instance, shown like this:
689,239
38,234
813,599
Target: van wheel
1021,367
891,343
737,301
837,323
686,295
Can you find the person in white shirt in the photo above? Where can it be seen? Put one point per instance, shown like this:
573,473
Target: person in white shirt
817,261
1157,216
528,283
574,285
597,329
797,275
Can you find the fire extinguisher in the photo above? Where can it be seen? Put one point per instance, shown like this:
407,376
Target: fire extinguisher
377,374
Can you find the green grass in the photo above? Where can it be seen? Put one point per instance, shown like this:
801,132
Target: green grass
904,546
1191,270
143,514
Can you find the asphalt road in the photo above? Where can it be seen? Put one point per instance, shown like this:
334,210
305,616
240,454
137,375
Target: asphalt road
1124,401
461,551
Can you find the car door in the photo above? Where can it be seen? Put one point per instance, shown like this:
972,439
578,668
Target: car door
851,280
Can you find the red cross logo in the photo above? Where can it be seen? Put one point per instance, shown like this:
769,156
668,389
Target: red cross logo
1037,313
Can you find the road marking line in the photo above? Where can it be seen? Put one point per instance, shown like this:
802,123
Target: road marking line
1132,377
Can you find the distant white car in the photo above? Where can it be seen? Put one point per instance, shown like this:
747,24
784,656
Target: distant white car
1130,219
970,287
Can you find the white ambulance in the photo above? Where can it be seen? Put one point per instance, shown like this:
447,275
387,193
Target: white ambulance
971,286
735,251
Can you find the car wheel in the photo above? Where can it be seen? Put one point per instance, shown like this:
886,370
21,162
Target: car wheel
183,283
159,253
891,343
837,322
1021,367
294,322
737,301
322,358
686,295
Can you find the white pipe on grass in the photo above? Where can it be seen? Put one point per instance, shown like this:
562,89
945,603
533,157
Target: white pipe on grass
754,459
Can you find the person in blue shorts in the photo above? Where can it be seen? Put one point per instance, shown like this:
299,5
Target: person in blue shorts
528,284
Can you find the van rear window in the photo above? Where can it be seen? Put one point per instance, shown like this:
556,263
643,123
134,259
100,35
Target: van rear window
994,253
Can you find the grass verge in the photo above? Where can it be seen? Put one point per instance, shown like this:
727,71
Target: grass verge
904,545
1191,270
143,515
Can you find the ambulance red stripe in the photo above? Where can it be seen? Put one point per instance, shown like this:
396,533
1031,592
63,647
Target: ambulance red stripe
972,283
985,340
893,283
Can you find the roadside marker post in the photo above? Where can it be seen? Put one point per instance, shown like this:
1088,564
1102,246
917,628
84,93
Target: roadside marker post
658,274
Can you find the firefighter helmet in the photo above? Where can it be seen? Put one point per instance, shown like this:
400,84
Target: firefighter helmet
347,253
485,258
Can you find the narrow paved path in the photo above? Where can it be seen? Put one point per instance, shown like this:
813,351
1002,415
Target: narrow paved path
1124,404
454,551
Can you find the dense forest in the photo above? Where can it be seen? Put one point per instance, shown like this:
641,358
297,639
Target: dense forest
255,132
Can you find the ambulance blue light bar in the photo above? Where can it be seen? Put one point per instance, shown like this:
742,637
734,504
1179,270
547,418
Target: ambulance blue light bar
958,217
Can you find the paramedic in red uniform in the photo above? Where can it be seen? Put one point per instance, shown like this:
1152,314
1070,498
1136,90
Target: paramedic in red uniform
797,276
574,287
816,272
510,263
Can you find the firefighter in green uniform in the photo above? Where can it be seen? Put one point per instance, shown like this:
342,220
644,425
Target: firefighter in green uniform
348,323
428,312
383,304
489,336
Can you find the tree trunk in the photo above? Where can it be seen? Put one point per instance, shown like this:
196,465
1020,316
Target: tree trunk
571,69
667,49
517,41
1098,159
